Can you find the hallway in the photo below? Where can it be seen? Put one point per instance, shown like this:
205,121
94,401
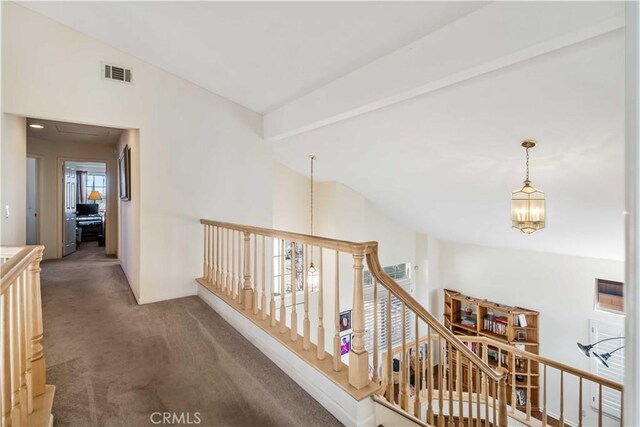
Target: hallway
114,362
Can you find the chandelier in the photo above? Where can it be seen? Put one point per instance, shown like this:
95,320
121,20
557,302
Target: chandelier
527,202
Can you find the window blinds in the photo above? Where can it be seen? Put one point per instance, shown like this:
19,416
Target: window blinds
611,402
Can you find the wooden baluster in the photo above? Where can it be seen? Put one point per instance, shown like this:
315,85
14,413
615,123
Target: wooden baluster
561,398
212,257
417,404
440,383
599,405
233,264
218,259
485,382
16,409
580,403
544,396
494,393
272,298
256,289
478,397
403,363
25,342
450,382
283,309
294,291
263,300
424,364
337,361
38,367
430,352
205,263
514,401
502,400
528,389
247,286
228,269
5,359
320,344
390,379
358,356
621,408
459,386
375,330
306,323
470,392
241,257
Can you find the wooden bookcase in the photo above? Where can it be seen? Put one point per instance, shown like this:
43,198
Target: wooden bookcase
466,315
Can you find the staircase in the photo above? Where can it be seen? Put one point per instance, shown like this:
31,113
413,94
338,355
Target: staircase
290,294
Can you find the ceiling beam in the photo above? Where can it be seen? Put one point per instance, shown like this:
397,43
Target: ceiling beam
493,37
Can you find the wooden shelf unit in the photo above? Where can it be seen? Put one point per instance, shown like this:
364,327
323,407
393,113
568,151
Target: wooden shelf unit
466,315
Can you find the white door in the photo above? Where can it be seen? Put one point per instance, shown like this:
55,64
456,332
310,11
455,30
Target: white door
32,201
69,210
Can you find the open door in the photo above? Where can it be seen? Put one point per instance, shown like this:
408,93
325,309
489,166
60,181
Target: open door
69,210
32,201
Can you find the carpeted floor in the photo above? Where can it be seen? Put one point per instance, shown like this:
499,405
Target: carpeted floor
115,363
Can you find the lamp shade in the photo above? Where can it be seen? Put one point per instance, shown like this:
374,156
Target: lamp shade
585,349
95,195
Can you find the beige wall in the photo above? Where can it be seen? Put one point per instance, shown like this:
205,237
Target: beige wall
13,153
129,215
199,155
52,155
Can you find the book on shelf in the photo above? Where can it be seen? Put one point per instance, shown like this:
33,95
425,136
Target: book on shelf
522,320
497,326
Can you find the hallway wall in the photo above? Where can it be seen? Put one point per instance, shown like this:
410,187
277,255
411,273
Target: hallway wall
13,149
51,209
200,155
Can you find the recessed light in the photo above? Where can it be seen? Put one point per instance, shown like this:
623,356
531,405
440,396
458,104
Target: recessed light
35,126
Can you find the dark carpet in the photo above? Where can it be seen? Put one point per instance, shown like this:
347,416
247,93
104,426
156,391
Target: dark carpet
115,363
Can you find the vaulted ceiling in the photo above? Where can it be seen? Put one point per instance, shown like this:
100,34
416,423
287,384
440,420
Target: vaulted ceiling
419,106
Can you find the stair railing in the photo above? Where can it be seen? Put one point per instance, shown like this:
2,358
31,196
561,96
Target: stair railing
284,282
26,399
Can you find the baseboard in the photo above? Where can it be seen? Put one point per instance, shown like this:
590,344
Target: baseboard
334,399
189,293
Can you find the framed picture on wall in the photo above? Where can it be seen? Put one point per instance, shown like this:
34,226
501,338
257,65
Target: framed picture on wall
345,344
124,173
345,320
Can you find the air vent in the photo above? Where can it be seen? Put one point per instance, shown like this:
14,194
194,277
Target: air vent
115,72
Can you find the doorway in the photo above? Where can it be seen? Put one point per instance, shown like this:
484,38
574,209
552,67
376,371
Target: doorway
33,200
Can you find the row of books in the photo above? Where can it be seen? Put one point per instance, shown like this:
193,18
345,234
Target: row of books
498,325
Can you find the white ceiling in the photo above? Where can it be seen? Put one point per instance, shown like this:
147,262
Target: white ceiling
445,163
258,54
72,132
442,163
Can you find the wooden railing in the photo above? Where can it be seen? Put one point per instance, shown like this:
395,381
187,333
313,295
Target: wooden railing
239,266
455,392
26,399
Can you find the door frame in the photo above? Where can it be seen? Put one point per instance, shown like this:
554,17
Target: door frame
109,218
39,193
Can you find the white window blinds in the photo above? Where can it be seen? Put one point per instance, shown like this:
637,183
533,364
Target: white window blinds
611,402
400,273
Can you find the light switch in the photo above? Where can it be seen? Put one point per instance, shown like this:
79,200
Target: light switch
6,211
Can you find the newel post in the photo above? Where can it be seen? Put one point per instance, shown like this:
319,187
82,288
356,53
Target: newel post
246,288
358,357
38,368
502,398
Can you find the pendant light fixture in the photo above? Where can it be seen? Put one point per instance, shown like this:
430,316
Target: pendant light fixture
527,202
313,271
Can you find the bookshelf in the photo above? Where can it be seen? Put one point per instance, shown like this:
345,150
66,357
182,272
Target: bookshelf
515,326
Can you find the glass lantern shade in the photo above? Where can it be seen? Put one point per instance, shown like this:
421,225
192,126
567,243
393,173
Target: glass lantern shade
527,209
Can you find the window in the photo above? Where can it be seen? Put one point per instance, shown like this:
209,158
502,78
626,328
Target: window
286,256
97,182
401,274
611,402
609,296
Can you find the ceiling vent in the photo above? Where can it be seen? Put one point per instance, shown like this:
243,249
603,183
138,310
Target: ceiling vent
115,72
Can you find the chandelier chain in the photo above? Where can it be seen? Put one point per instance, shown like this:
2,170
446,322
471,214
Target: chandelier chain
527,164
312,159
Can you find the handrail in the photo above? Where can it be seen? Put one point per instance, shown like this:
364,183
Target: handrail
549,362
325,242
14,266
378,274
